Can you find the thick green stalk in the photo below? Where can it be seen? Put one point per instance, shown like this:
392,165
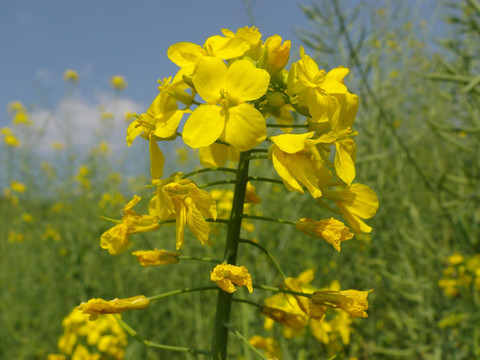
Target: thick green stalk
224,299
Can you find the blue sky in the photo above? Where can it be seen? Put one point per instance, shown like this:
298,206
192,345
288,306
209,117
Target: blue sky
39,40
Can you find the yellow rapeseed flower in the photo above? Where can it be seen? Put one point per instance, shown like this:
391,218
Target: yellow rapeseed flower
227,91
226,276
269,345
96,307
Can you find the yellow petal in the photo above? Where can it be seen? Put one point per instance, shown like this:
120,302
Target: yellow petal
291,143
215,155
209,78
185,53
245,82
281,166
157,160
346,151
245,127
204,126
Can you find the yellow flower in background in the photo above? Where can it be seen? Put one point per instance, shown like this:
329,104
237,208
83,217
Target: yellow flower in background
118,82
332,230
18,187
455,259
191,206
352,301
70,76
28,218
116,239
156,257
227,115
105,334
20,113
9,138
226,276
14,236
269,345
96,307
51,233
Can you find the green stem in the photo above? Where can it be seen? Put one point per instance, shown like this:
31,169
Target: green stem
201,258
264,179
224,169
248,302
245,341
219,182
266,252
148,343
181,291
256,157
224,299
265,218
280,290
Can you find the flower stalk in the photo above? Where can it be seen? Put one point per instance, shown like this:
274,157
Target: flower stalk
224,299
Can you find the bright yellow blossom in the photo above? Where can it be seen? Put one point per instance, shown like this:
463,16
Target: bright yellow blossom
227,115
226,276
332,230
96,307
156,257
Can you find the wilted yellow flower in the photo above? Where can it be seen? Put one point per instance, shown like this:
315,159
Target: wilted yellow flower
116,239
70,76
356,202
118,82
96,307
333,231
183,200
352,301
18,186
226,276
156,257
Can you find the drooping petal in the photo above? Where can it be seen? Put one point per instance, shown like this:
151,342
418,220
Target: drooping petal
157,160
291,143
281,166
245,82
245,127
196,222
204,126
209,78
346,151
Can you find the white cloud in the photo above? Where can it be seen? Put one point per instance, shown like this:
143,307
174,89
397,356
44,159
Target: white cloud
83,125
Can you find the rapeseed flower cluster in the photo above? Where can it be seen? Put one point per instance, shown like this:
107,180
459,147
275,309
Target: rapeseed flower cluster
234,101
460,274
84,339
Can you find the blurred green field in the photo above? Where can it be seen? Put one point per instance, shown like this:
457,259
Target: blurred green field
418,149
